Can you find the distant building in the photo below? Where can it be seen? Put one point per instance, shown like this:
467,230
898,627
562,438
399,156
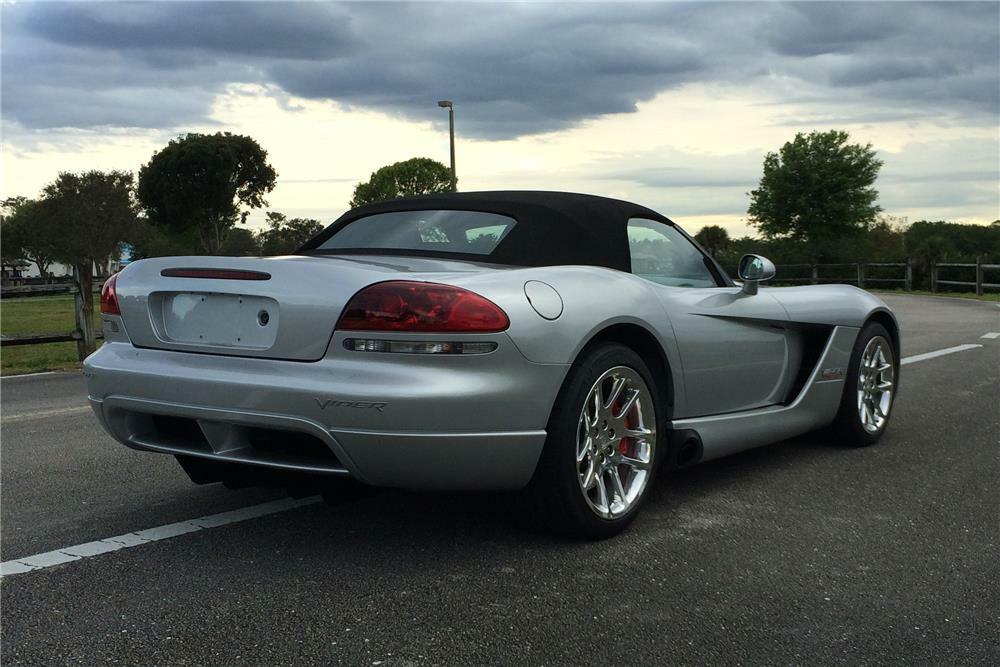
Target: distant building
57,270
14,273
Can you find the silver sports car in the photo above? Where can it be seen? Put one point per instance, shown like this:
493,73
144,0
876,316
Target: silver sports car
562,345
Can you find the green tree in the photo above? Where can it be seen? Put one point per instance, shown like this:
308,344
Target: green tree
157,241
416,176
240,243
713,238
26,235
884,242
284,236
92,214
952,241
818,188
201,181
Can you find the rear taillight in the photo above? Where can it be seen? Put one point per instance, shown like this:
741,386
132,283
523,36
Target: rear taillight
416,306
109,297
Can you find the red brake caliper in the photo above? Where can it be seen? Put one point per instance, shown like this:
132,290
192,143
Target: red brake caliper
626,442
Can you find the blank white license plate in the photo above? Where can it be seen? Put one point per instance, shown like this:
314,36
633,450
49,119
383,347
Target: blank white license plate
221,319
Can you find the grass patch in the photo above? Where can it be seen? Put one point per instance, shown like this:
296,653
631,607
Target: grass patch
40,314
36,358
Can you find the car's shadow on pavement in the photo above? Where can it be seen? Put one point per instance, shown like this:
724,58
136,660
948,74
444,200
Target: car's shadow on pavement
391,516
708,477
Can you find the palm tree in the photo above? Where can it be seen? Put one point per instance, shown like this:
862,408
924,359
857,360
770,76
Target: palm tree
713,238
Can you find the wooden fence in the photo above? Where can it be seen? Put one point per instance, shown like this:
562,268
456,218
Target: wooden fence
38,338
978,283
84,346
25,291
877,274
859,273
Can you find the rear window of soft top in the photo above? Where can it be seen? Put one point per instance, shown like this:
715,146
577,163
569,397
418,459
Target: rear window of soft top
452,231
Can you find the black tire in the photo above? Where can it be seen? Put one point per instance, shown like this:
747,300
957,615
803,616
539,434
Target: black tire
847,428
554,496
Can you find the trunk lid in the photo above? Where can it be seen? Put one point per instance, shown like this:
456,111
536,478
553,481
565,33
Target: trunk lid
287,310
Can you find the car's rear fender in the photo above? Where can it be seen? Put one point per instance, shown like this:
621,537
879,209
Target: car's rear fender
594,300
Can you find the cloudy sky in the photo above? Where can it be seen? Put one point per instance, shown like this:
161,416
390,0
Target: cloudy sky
671,105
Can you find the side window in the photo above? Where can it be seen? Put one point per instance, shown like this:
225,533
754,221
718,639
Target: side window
663,255
485,237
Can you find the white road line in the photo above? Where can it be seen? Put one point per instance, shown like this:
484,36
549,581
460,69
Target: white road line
938,353
34,375
25,416
140,537
991,335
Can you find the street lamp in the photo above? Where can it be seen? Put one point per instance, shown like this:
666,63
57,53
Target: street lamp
447,104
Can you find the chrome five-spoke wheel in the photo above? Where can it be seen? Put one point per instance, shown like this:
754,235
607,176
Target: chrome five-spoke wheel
616,437
875,384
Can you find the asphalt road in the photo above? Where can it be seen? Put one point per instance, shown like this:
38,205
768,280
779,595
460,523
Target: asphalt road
800,552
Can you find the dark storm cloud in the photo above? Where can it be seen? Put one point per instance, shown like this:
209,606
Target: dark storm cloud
308,31
916,58
513,69
819,28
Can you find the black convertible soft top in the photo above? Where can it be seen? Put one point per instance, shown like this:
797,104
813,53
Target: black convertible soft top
553,228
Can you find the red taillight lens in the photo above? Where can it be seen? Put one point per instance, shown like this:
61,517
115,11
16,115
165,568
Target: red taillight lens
413,306
109,297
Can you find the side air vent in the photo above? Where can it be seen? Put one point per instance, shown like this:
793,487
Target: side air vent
814,340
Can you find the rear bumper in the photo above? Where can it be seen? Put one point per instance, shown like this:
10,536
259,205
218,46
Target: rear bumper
386,419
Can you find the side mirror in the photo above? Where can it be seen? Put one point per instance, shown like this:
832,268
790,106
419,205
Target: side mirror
754,269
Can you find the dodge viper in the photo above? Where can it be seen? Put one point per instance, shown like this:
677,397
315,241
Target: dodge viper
563,346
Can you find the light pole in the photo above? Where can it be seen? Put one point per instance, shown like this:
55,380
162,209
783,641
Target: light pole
447,104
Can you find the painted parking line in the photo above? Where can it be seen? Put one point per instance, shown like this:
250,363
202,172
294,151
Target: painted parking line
39,414
938,353
991,335
140,537
31,375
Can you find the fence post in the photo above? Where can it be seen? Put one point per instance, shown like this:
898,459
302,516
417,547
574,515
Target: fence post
81,344
908,279
84,316
814,276
979,275
933,276
861,275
